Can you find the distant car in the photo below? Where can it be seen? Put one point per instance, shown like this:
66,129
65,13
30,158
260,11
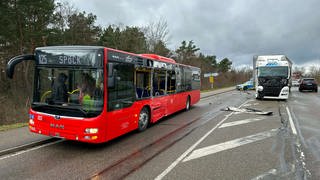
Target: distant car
308,84
295,83
245,86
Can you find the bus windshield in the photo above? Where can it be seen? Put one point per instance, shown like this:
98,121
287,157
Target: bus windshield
70,91
280,71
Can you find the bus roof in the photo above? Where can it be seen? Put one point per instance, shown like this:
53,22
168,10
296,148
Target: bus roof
69,47
159,58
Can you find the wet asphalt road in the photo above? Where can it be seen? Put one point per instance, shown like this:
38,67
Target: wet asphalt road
305,108
203,143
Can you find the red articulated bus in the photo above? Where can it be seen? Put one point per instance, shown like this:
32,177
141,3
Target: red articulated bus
94,94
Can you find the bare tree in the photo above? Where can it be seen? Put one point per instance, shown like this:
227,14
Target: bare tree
299,69
314,71
63,11
156,33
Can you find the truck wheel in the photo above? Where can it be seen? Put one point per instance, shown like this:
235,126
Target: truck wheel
259,96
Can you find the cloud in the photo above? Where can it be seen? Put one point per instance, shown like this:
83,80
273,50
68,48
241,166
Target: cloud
237,29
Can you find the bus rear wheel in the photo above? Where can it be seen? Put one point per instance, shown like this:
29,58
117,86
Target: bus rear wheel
144,118
188,104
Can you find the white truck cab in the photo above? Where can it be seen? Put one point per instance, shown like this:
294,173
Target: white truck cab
272,76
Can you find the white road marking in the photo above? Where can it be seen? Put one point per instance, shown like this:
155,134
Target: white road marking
175,163
235,123
293,128
28,150
230,144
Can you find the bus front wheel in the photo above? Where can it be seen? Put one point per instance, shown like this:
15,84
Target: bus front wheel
143,119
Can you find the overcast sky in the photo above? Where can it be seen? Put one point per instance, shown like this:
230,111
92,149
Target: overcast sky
237,29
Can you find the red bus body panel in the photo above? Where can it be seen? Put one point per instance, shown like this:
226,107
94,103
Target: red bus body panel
110,124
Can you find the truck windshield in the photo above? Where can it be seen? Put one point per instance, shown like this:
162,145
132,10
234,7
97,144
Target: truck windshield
281,71
68,91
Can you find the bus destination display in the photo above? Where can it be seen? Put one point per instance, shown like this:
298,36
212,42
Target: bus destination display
69,58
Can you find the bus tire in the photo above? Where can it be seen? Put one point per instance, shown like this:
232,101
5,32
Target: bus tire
188,104
144,118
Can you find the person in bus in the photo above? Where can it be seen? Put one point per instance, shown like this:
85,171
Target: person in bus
98,91
86,89
59,90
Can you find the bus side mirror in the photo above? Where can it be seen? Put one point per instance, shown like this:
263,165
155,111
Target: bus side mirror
16,60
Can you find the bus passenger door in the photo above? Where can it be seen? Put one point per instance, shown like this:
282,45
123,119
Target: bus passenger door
171,91
159,92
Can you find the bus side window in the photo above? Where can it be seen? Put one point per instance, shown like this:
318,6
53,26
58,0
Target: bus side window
159,82
142,84
122,93
179,79
171,82
195,79
188,78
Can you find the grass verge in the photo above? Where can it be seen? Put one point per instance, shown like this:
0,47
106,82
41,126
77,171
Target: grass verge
12,126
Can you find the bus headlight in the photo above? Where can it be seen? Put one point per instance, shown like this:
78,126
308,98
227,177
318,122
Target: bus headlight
91,130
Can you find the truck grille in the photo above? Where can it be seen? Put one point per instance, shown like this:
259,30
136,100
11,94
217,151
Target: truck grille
271,91
271,86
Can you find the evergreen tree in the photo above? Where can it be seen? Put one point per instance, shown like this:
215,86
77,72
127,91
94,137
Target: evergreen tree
186,51
81,29
224,65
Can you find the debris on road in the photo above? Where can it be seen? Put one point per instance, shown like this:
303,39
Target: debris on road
247,110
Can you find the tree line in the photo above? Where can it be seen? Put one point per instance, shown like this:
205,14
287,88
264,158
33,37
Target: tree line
26,25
